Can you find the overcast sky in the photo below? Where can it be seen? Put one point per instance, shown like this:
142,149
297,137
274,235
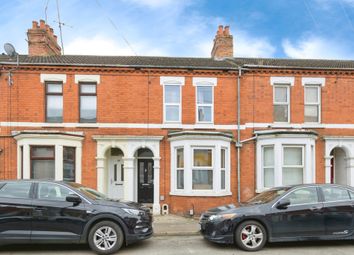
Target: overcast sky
261,28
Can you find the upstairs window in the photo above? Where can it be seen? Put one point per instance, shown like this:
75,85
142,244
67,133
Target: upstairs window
172,103
54,102
312,103
88,102
205,107
281,103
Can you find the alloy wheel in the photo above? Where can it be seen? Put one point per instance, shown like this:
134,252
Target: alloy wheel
105,238
251,236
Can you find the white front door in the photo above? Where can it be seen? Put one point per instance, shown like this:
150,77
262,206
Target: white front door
116,178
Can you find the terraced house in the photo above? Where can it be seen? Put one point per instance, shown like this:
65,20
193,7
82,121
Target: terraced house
190,133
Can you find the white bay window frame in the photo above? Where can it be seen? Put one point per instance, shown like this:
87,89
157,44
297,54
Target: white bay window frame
301,166
279,141
200,142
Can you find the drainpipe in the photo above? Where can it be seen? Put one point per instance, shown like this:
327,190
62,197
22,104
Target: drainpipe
238,143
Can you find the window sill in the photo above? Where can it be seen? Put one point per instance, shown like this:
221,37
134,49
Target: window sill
201,193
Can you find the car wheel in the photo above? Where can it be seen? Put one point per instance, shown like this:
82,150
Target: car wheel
106,237
250,236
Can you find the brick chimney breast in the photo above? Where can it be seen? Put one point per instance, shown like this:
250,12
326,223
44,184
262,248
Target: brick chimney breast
223,44
42,41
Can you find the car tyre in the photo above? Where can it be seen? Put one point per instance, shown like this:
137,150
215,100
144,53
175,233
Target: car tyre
105,237
250,236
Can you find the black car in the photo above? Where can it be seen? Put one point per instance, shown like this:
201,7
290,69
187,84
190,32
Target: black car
293,213
58,212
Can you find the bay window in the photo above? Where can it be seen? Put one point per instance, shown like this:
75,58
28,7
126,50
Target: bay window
200,166
285,157
42,162
69,164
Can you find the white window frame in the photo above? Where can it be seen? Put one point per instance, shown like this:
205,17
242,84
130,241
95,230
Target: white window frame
179,104
307,141
189,143
197,105
172,81
287,86
302,166
318,104
207,168
178,168
223,169
264,167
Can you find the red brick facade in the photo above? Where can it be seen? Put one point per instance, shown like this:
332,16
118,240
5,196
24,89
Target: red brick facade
129,96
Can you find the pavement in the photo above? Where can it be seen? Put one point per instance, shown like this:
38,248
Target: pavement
172,225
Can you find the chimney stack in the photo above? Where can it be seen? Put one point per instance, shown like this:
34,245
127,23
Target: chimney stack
223,44
42,41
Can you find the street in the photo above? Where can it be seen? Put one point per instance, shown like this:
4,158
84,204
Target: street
189,245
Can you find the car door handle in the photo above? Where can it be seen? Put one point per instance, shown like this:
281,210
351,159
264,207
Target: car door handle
316,208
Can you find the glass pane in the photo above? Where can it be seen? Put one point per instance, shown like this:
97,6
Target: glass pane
69,164
88,106
180,179
202,157
205,95
43,152
172,94
116,152
222,179
311,95
292,175
335,194
293,156
172,113
54,108
280,113
268,177
180,158
91,89
43,169
16,190
204,113
145,153
54,88
303,196
351,195
202,179
311,113
281,94
268,156
50,191
223,158
141,172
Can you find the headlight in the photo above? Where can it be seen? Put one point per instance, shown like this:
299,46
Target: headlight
132,211
222,216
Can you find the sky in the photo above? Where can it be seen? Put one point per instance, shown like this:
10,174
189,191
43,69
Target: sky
186,28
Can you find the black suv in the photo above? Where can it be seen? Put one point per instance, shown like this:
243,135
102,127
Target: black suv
39,211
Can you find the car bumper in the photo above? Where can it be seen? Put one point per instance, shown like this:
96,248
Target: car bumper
139,235
218,232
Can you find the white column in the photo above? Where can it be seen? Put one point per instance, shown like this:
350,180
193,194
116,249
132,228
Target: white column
101,187
156,204
58,162
129,179
78,164
278,168
328,169
26,162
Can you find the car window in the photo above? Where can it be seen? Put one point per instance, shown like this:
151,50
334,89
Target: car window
52,191
332,194
16,190
351,194
303,196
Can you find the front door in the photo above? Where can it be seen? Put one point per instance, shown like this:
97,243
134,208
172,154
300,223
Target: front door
116,178
145,180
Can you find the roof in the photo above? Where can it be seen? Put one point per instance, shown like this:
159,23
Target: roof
180,62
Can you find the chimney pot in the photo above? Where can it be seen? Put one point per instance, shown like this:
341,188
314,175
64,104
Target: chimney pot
227,30
34,24
42,23
220,30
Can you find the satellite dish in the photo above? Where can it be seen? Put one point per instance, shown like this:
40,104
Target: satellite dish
10,50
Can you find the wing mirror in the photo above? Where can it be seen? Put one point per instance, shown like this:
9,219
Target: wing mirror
283,204
73,198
